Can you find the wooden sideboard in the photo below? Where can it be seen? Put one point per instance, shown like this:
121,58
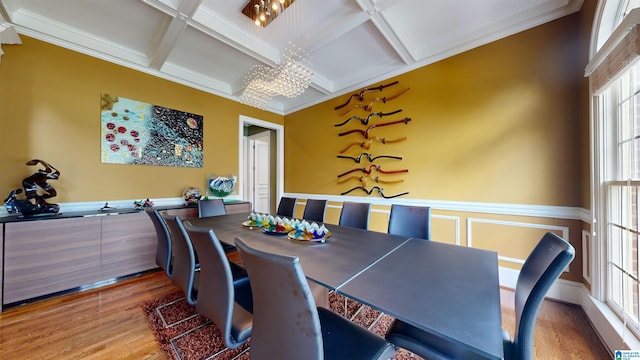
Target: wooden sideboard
47,256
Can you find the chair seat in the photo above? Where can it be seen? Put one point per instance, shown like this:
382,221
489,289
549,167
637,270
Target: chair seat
424,344
237,272
228,248
241,324
343,339
242,292
196,281
242,318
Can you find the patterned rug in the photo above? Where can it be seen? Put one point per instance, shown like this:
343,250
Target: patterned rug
185,335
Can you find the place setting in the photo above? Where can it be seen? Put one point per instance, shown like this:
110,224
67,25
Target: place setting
294,229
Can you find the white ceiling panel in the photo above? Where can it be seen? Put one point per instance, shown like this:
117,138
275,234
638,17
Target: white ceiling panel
359,54
200,53
210,45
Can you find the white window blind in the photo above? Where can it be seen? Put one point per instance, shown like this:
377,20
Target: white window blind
617,54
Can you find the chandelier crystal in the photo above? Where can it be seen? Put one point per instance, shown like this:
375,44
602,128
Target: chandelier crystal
290,78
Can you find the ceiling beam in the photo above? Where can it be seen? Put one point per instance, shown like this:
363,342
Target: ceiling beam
374,9
169,34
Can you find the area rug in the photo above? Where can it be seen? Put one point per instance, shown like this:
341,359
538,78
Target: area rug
185,335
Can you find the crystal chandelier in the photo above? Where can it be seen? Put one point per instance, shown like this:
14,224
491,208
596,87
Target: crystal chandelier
290,78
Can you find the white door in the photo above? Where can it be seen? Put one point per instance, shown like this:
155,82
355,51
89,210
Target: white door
259,164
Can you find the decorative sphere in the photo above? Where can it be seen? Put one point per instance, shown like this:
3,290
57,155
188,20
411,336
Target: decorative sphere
191,195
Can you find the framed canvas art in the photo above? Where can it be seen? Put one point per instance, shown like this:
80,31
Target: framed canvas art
139,133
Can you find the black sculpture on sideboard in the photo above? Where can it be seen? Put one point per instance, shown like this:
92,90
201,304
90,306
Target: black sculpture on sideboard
36,190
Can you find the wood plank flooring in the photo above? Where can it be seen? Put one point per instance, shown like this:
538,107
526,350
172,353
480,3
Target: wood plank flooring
562,331
108,323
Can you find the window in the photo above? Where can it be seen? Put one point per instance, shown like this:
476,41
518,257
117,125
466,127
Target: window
620,102
614,74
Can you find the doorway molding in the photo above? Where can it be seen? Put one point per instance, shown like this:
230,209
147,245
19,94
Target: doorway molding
279,129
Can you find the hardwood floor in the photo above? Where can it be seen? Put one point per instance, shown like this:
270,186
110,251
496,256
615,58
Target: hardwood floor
562,331
104,323
108,323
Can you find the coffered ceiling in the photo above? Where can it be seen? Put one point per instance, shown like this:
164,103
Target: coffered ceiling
210,45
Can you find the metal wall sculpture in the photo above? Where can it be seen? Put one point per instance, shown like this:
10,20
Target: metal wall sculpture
365,121
360,95
135,132
369,157
369,107
368,142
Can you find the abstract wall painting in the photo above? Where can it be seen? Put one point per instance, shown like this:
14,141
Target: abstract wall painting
139,133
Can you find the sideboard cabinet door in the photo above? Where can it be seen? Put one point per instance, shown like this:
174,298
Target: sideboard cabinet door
184,213
128,245
237,207
46,256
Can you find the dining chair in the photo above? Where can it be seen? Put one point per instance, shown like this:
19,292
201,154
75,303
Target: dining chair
540,270
222,298
211,207
314,210
163,247
410,221
283,301
214,207
354,214
186,267
286,207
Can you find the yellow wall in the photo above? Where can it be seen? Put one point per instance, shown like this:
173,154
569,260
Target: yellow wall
494,124
50,110
504,123
507,122
499,123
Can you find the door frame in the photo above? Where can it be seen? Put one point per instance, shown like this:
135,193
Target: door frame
279,129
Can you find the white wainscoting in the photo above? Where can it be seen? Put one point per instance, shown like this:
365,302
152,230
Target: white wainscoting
471,221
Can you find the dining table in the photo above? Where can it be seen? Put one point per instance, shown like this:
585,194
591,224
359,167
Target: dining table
449,291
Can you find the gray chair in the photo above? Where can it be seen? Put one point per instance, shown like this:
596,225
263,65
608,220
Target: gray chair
286,207
163,248
410,221
542,268
314,210
286,323
211,207
214,207
355,215
223,299
186,268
